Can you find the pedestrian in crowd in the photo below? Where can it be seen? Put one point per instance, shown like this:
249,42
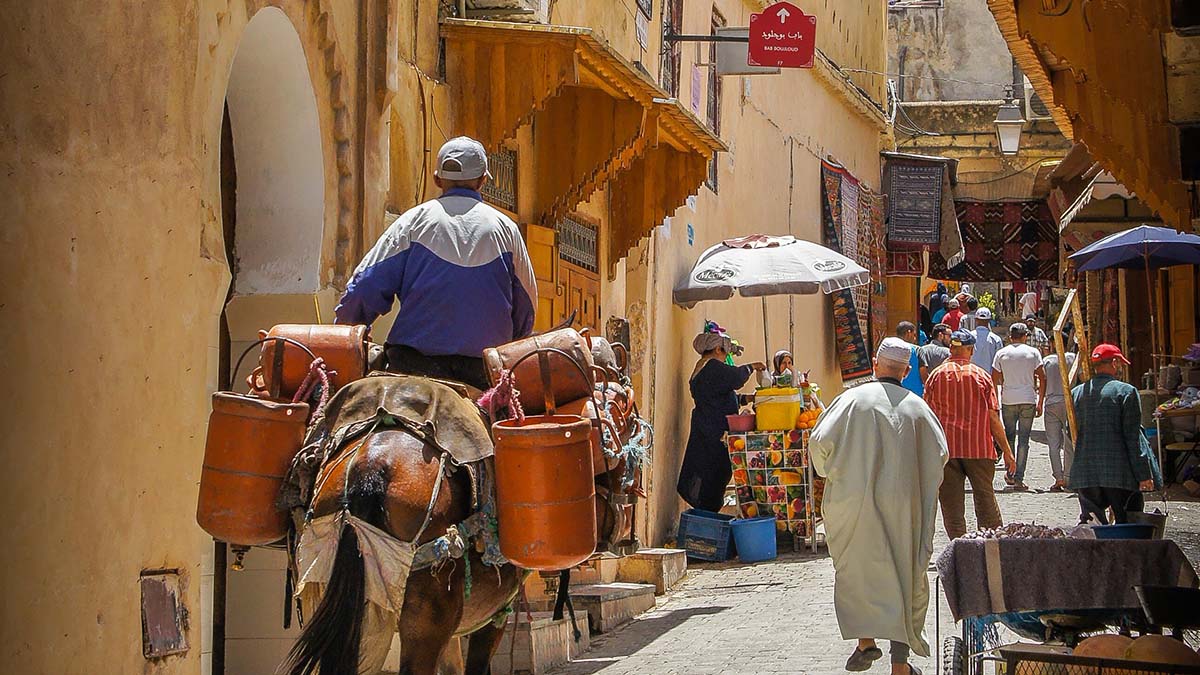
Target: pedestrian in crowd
706,468
1028,303
906,331
453,247
963,397
1058,431
1037,337
987,343
968,319
937,298
925,325
1017,370
953,315
881,451
941,311
1113,462
935,353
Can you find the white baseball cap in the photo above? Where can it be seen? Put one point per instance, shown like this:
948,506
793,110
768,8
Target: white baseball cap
462,158
983,313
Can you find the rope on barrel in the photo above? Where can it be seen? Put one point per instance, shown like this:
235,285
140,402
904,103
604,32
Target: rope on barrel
318,375
504,395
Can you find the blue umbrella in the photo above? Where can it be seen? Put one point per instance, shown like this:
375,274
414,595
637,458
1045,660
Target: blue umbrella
1143,247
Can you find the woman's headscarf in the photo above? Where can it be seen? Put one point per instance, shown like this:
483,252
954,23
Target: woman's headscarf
714,337
778,360
707,342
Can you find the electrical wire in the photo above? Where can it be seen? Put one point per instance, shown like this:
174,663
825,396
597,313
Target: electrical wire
1000,178
1002,85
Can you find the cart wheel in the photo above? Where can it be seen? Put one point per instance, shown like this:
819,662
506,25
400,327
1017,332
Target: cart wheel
954,656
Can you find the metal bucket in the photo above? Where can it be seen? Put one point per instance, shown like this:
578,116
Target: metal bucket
1157,519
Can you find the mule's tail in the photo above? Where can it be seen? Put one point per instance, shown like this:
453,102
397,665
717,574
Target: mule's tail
329,643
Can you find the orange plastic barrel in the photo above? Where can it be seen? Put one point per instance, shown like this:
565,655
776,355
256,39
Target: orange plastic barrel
344,349
250,446
545,491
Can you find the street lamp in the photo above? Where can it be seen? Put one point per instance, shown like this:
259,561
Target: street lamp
1009,122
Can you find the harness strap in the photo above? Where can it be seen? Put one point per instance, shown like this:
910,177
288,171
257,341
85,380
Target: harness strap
437,489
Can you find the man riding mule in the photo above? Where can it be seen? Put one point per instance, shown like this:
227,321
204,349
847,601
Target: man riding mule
393,493
460,270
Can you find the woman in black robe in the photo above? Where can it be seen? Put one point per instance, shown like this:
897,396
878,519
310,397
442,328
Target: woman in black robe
706,469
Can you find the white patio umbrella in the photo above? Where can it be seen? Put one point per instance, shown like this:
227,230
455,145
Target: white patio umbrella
762,265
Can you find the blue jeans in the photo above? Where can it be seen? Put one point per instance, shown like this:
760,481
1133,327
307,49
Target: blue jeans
1018,424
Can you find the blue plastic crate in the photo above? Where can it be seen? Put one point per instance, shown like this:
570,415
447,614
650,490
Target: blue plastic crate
706,535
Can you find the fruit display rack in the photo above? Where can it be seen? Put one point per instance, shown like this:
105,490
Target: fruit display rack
772,475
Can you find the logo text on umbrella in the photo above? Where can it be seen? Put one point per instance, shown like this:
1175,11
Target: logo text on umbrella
715,274
829,265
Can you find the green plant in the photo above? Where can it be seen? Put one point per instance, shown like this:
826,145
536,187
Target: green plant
988,300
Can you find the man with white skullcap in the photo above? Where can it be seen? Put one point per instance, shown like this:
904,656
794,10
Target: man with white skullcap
881,450
460,270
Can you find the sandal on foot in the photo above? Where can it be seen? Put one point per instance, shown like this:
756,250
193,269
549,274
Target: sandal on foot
861,659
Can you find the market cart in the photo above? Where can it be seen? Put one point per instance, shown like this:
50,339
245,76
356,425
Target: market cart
772,475
1048,591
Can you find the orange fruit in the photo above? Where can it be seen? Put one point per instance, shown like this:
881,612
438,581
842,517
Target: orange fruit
739,444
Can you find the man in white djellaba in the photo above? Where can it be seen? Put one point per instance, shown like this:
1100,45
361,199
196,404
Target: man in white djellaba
882,451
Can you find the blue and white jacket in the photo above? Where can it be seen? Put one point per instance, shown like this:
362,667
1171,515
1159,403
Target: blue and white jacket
461,272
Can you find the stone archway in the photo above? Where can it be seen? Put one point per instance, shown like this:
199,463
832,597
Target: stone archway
280,185
273,210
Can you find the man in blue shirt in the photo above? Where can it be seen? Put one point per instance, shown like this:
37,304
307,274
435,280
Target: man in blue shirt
987,343
460,270
907,331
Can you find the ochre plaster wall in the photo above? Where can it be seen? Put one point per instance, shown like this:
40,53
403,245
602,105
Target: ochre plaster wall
113,278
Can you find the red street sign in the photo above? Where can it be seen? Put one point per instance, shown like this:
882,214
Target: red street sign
782,36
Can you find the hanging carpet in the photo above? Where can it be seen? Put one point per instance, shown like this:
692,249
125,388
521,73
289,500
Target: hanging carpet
1003,241
854,357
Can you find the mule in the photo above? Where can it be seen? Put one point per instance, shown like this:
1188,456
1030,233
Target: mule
387,479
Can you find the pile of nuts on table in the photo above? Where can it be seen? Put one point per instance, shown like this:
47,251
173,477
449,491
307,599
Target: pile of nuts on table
1018,531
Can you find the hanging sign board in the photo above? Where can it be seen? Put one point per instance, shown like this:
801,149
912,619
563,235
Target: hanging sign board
783,35
733,58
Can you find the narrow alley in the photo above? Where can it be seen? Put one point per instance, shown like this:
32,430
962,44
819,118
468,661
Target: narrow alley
777,617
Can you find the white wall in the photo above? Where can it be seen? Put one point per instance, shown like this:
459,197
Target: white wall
277,145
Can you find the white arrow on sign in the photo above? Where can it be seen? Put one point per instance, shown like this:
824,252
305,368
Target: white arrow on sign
783,14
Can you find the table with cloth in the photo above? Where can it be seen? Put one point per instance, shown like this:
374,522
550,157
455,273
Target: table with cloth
1023,583
772,476
995,576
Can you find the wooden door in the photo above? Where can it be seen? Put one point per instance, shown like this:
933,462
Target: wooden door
901,304
582,291
543,254
1181,307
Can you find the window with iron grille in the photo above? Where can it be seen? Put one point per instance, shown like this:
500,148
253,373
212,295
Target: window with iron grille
646,7
672,52
501,190
579,243
713,113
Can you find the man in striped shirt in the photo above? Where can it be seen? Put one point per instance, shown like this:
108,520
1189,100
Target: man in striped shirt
963,397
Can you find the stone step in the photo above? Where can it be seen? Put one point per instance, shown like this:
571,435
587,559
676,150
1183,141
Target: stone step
662,567
612,605
599,569
541,646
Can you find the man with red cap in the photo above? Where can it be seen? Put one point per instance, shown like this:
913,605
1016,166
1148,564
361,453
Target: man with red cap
1113,464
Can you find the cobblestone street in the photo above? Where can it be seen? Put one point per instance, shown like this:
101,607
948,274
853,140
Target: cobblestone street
778,617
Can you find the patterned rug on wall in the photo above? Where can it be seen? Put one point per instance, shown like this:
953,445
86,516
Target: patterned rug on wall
854,359
872,232
1004,241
